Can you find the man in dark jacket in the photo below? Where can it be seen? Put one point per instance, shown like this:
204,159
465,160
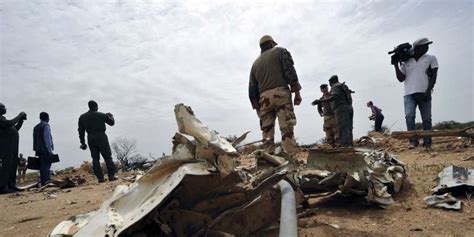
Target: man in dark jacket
9,140
93,122
341,100
43,146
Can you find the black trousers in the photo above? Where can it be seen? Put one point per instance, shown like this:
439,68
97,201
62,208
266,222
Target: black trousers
99,145
378,123
344,120
8,161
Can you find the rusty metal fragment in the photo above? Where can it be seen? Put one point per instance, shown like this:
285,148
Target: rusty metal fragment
375,174
446,201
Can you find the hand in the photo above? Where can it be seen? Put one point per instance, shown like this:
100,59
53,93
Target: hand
321,114
427,96
297,100
315,102
256,106
83,147
394,60
22,115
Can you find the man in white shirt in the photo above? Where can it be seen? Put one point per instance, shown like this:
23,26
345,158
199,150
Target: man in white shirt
419,76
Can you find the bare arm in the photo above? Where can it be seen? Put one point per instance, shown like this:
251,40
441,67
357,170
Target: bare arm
432,75
400,75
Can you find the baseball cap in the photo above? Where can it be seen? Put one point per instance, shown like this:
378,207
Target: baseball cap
422,41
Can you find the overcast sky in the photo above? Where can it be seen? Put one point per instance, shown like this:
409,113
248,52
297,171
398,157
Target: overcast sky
138,59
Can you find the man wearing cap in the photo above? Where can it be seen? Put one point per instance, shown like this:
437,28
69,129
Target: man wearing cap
419,76
272,80
325,110
341,102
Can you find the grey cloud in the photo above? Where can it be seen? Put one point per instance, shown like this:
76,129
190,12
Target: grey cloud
138,59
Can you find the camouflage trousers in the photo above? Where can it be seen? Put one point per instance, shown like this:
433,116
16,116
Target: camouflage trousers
276,103
330,128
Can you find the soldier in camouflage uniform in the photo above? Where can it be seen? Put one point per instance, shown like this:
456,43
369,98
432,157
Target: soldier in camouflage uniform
325,110
341,101
272,80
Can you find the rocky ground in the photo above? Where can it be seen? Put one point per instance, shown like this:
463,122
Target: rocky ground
35,213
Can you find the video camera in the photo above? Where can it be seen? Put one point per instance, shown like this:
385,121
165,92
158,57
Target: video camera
401,53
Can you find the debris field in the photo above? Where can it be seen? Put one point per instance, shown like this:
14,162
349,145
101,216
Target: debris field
207,187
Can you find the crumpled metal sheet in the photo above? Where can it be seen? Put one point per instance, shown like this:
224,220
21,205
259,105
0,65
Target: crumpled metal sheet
188,124
129,204
443,201
385,172
374,173
454,179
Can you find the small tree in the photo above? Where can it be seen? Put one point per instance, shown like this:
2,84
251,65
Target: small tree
125,150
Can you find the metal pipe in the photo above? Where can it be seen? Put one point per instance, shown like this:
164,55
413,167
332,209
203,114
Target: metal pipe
288,226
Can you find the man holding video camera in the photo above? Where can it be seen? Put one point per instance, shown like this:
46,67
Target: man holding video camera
419,76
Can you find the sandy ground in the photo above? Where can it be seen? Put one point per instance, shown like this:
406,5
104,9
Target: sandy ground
33,214
409,216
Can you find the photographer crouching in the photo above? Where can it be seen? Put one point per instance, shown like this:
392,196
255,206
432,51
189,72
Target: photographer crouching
418,71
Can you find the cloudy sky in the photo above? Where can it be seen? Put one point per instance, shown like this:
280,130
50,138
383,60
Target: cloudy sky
137,59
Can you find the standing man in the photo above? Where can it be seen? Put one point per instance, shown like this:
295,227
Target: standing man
377,116
94,123
9,141
272,80
341,101
21,168
419,76
325,110
43,146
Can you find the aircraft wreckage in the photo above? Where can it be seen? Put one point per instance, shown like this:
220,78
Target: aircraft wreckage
201,190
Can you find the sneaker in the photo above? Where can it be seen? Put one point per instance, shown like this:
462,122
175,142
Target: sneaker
411,146
101,180
113,178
